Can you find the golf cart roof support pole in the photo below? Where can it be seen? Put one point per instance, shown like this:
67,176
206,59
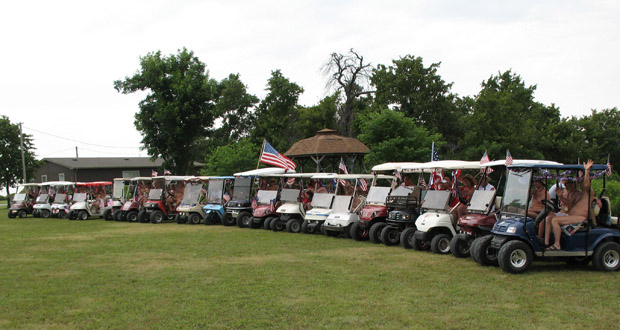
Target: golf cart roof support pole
262,149
527,206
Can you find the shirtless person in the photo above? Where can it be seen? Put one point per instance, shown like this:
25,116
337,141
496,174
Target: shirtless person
577,212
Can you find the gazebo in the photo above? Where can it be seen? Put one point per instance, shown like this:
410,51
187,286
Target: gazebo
324,151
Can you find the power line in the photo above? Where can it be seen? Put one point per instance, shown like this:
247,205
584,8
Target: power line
86,143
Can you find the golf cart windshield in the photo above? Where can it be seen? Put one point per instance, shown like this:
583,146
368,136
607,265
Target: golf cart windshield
290,195
401,191
118,189
323,200
242,188
377,195
265,196
155,194
341,204
191,194
42,199
436,199
481,201
214,192
79,197
19,197
517,191
60,198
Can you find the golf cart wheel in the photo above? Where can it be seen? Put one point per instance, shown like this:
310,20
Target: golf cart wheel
107,215
210,218
420,245
116,215
578,261
227,220
267,223
304,227
142,216
45,214
244,219
607,257
358,233
375,232
252,224
277,225
157,216
132,216
62,214
82,215
406,237
459,245
482,252
390,236
293,226
194,218
72,215
11,216
515,257
440,244
35,214
22,213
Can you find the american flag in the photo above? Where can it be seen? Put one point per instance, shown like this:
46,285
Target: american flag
166,172
343,167
272,205
153,173
508,158
363,184
398,175
272,157
435,179
290,181
434,153
608,170
485,159
254,203
421,181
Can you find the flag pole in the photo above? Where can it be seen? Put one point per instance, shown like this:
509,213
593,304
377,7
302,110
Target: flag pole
261,154
432,149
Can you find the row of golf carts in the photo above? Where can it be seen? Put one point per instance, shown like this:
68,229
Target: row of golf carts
495,231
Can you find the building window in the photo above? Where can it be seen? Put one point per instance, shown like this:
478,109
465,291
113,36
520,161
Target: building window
43,178
61,177
131,174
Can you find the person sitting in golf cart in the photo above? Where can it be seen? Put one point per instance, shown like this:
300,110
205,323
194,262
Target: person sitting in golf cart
536,204
465,191
484,184
577,211
307,199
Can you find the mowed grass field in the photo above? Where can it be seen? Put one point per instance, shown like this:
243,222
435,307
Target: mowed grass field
97,274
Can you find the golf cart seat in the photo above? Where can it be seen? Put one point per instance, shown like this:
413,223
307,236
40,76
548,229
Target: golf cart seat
595,212
604,218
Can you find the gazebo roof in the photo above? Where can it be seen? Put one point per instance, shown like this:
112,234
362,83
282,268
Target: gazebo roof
326,142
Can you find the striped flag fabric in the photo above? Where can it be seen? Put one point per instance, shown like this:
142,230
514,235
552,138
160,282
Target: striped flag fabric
272,157
363,185
343,167
508,158
485,159
608,170
254,203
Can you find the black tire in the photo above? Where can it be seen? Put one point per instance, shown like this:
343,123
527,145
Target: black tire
515,257
132,216
460,245
143,216
72,215
22,213
157,216
606,257
406,237
420,245
210,218
227,220
322,230
253,223
82,215
277,225
193,218
293,226
35,214
45,214
304,227
390,236
374,234
578,261
482,252
180,219
11,216
330,233
358,233
116,215
243,219
267,223
107,215
62,214
440,243
347,232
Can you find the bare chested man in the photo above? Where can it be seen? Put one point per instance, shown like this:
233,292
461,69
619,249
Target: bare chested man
577,212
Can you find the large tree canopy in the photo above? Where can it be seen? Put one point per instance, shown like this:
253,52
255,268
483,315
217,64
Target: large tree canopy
178,110
10,155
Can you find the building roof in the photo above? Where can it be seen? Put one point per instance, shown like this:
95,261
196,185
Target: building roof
326,142
107,162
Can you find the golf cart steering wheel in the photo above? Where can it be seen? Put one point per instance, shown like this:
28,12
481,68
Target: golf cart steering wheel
550,205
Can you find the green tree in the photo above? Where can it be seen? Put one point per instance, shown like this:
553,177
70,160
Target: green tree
602,136
10,155
315,118
277,112
420,93
178,110
233,105
392,137
232,158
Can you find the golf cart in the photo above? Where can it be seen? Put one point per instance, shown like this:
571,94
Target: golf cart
321,203
42,207
135,194
194,197
24,200
118,200
240,206
436,227
514,236
345,208
63,193
217,197
164,197
374,211
90,199
268,195
291,210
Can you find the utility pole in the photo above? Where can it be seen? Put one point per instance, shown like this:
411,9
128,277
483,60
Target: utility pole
21,147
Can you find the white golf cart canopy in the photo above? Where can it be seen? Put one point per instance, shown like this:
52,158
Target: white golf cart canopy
142,178
308,175
520,162
264,172
395,166
169,178
59,183
443,164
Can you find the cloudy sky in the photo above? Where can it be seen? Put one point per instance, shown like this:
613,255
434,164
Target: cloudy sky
59,58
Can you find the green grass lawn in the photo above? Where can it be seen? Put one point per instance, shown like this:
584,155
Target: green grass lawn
97,274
